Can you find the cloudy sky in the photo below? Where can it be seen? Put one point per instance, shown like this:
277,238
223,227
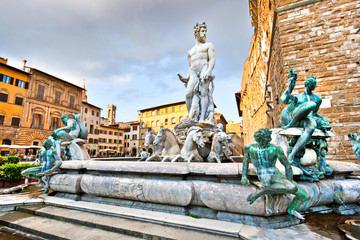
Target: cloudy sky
128,51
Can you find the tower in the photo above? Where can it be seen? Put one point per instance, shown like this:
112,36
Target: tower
84,96
111,112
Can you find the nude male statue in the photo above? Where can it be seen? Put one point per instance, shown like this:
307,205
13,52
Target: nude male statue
302,112
202,62
73,129
50,162
263,156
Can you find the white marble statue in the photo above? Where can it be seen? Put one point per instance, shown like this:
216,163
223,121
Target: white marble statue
202,62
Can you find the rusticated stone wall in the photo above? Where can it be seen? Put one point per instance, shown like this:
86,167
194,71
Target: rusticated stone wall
312,37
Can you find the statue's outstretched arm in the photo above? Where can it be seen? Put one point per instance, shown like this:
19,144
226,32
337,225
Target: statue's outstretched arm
284,161
286,97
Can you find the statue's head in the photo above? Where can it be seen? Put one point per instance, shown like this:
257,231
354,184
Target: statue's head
200,32
47,143
310,83
263,136
65,118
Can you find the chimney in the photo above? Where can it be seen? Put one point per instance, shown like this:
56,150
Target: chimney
24,61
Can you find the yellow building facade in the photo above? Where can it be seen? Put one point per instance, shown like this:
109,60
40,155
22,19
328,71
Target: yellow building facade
167,116
13,87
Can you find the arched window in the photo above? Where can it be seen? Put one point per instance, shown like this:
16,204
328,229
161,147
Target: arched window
173,120
166,121
6,142
143,125
180,119
153,124
158,123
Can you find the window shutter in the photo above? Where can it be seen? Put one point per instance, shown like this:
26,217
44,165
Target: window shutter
16,82
26,85
12,81
51,123
1,77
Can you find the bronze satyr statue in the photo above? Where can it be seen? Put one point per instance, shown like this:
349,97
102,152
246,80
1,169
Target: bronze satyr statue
263,156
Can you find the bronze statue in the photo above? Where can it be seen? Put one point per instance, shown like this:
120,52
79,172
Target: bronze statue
263,156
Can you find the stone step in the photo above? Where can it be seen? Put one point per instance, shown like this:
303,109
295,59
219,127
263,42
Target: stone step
116,224
53,229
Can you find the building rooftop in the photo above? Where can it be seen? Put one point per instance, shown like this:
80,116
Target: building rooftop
14,68
91,105
55,77
161,106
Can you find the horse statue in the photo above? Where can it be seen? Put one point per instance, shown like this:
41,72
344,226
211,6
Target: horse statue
220,148
171,146
157,148
189,151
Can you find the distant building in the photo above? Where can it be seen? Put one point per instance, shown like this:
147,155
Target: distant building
319,38
90,116
134,138
167,115
13,86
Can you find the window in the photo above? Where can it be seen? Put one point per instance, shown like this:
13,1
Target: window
120,134
93,112
115,133
173,109
35,143
104,132
134,137
19,101
120,141
97,114
6,142
180,119
2,118
91,140
153,124
153,113
19,83
91,129
7,79
37,121
3,97
40,93
85,110
142,136
110,140
95,140
181,108
143,125
158,112
158,123
173,121
144,114
110,133
55,123
166,121
57,97
166,110
15,122
72,102
115,141
134,128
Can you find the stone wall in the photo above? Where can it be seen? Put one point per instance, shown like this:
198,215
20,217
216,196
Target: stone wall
318,38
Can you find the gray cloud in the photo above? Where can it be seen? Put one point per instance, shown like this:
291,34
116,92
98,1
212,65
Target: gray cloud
130,50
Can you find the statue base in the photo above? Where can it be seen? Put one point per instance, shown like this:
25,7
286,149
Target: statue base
207,190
